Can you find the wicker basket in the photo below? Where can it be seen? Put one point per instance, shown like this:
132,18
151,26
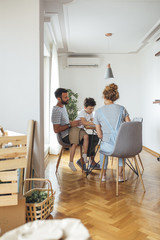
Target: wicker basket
39,211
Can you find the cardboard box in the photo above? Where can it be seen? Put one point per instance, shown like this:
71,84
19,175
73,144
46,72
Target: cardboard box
12,216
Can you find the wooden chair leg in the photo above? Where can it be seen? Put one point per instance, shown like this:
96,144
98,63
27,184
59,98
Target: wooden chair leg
139,173
117,177
81,157
102,168
111,161
141,162
124,177
59,158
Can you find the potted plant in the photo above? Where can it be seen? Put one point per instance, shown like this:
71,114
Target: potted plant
71,107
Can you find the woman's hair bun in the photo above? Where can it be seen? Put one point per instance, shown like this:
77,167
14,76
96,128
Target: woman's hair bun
111,92
113,86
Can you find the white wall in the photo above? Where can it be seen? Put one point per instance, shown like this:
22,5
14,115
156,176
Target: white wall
150,79
90,82
19,58
20,71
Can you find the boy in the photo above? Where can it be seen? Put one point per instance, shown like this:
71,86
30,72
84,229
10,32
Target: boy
86,117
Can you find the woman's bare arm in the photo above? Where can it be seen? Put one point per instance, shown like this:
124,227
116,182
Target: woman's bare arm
99,131
127,119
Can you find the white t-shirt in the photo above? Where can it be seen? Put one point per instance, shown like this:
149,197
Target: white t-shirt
84,114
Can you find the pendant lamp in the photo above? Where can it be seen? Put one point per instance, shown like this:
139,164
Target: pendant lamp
108,72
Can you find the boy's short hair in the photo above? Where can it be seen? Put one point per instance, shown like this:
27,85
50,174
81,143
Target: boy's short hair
59,91
89,102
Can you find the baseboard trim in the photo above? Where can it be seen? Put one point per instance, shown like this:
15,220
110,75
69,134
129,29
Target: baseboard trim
151,151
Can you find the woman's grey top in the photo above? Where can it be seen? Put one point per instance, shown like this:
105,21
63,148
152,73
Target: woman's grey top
111,113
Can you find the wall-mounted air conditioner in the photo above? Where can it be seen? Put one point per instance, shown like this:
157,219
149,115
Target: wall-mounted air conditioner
83,61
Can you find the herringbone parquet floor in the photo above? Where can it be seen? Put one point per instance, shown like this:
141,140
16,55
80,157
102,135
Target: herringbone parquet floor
133,215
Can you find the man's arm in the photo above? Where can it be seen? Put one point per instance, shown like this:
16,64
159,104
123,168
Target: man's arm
75,123
59,128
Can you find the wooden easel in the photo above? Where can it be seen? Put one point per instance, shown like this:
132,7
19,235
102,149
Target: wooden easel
30,138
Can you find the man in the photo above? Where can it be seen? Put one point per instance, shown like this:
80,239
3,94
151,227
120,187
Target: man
61,123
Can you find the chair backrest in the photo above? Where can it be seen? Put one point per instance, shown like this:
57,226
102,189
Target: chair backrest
137,119
60,141
129,140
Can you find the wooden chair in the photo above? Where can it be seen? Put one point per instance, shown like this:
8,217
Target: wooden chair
128,145
65,145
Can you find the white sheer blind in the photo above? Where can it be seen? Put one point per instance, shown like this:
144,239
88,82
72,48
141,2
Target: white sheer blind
54,145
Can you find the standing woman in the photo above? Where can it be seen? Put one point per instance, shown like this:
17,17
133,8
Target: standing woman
108,119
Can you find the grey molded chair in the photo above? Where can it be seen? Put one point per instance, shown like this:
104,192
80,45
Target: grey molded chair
128,145
65,145
139,119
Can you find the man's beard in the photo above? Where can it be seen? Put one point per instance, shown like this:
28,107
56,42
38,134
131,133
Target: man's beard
64,102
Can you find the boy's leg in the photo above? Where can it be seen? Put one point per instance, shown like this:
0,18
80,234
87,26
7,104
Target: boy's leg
93,141
85,147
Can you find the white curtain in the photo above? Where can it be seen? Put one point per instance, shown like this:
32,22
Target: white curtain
54,145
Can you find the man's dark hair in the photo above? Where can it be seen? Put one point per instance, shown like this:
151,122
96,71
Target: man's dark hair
59,91
89,102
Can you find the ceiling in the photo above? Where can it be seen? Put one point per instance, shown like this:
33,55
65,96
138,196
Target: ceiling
79,26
